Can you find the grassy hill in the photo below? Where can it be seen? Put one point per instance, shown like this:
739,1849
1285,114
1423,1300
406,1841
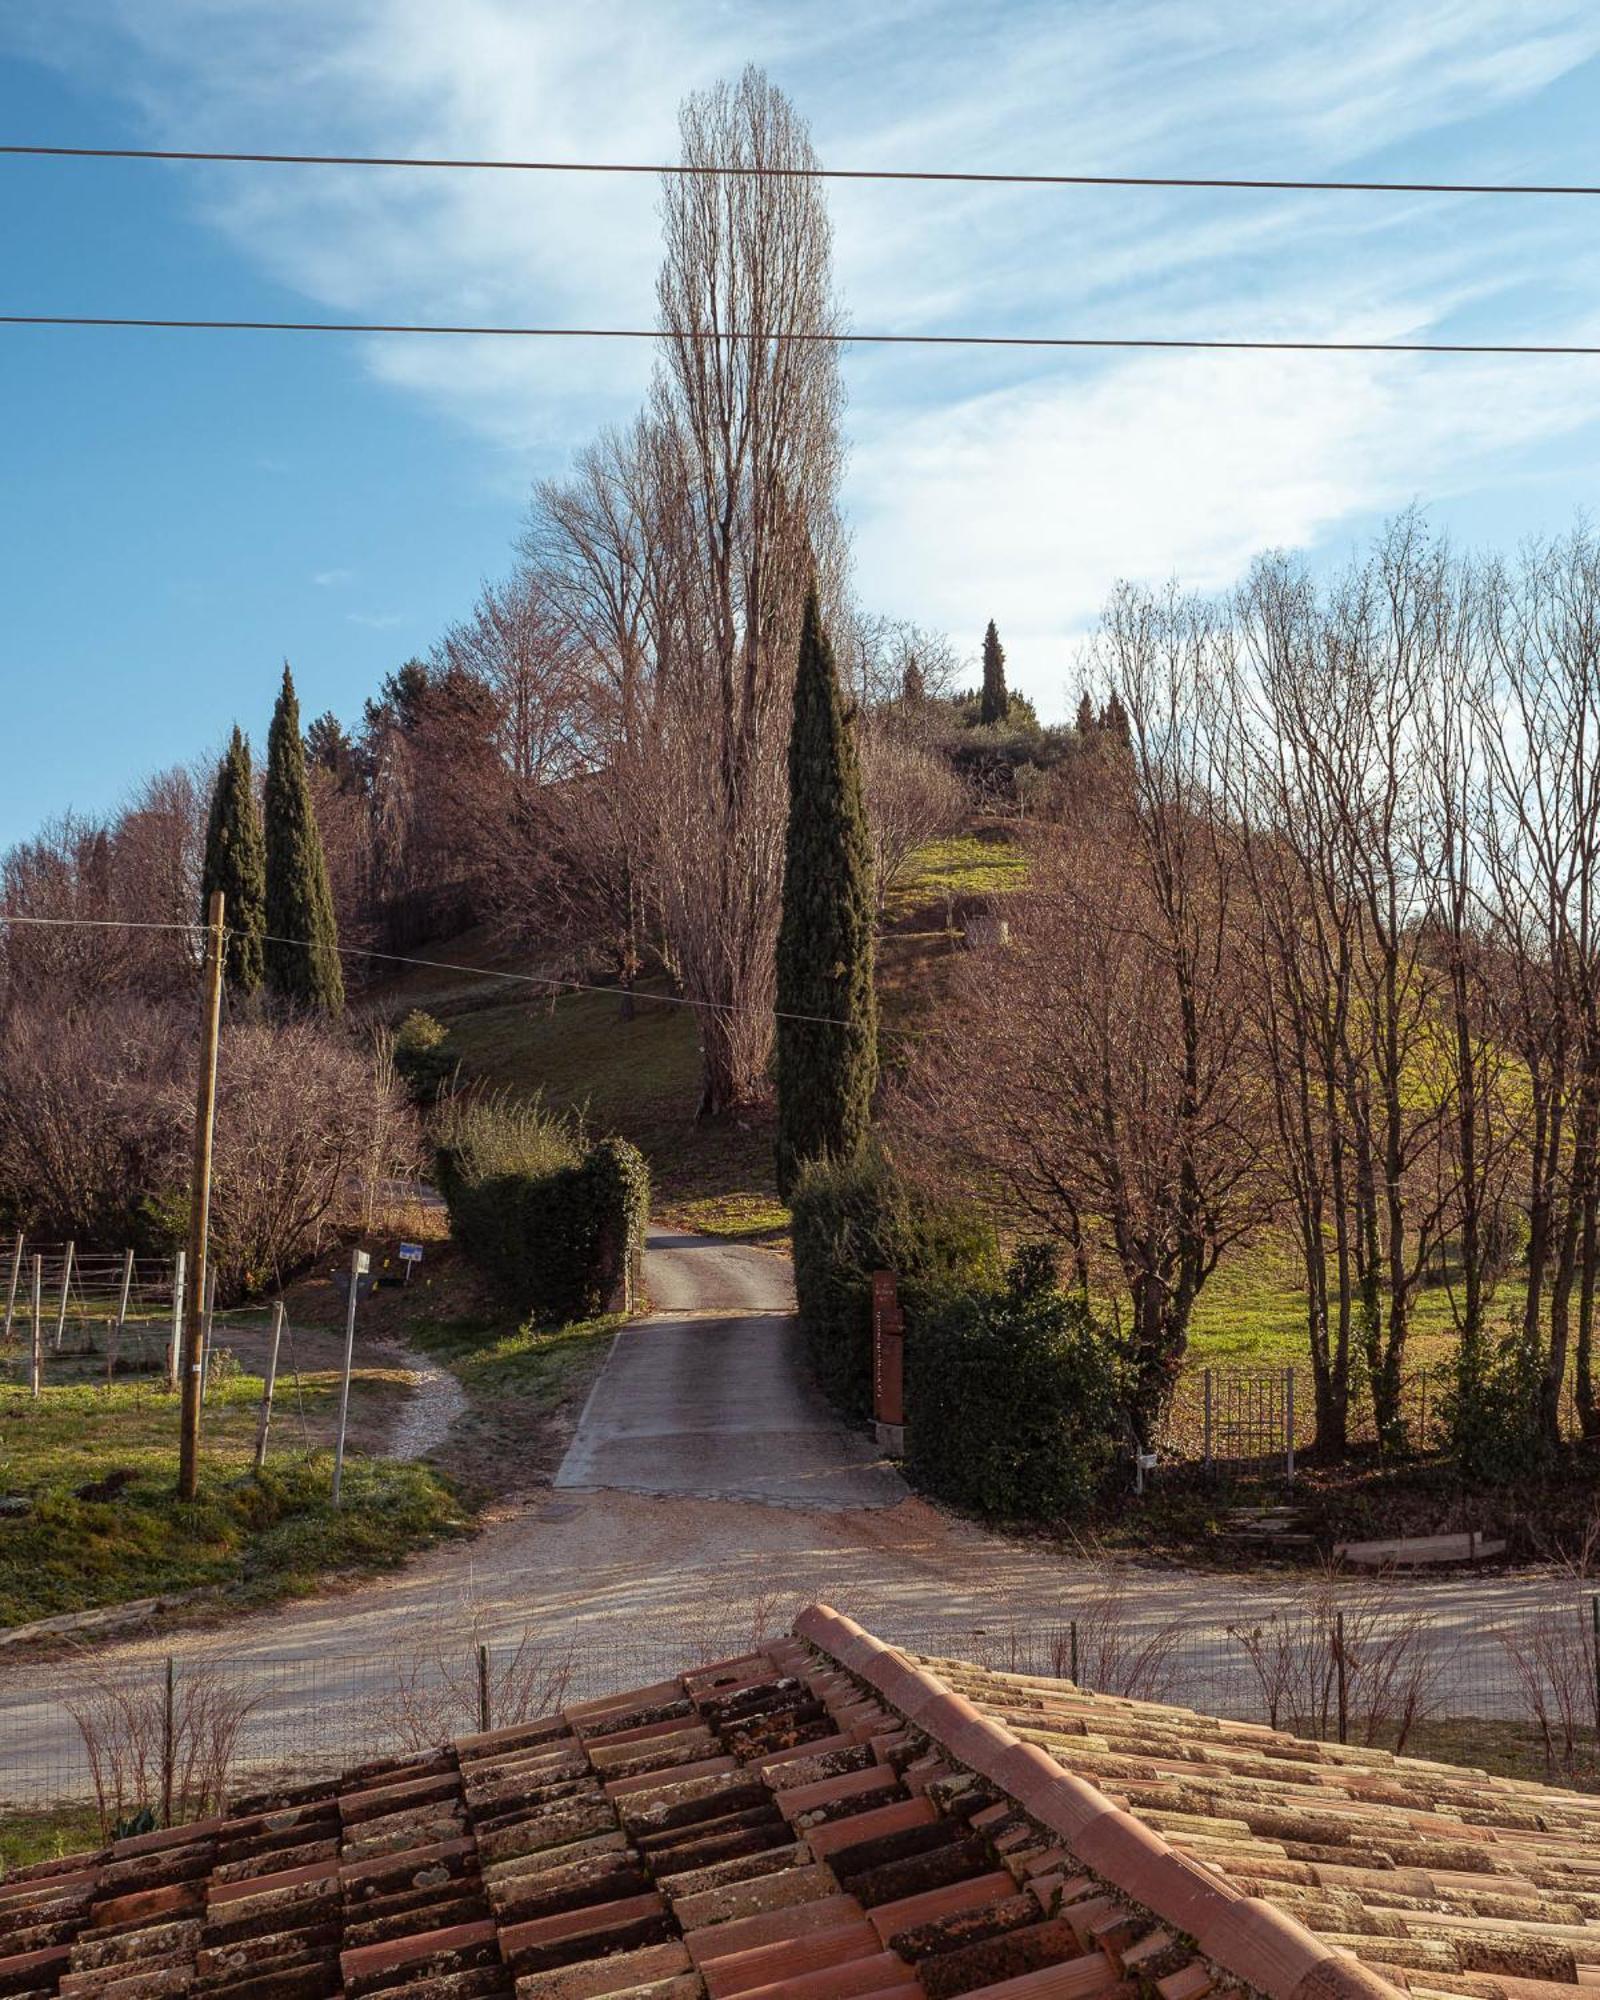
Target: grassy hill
641,1077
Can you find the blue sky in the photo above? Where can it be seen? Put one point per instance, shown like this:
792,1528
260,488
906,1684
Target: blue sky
177,513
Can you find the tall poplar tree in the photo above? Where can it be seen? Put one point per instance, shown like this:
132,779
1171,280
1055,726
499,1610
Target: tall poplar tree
995,701
236,863
302,943
827,1003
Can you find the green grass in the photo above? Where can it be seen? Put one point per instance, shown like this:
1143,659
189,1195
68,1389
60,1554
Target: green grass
1252,1312
966,864
47,1835
533,1364
105,1526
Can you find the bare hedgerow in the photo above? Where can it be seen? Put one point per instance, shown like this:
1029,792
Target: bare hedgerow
1115,1650
443,1693
1552,1661
1390,1670
146,1754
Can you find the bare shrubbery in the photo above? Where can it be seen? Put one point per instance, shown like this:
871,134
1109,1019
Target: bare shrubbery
1553,1663
169,1754
1115,1651
1390,1672
97,1108
450,1690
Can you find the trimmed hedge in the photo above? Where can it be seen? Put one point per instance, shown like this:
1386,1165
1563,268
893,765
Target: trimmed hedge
557,1241
1015,1398
849,1221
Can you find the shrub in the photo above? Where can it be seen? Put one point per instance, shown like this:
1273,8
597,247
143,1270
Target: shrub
849,1221
422,1057
552,1219
1016,1397
1491,1411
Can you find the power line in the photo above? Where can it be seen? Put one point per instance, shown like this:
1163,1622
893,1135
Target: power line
1244,183
548,982
1073,342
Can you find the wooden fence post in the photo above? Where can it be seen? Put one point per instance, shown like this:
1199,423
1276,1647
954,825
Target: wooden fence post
36,1375
267,1387
11,1290
66,1280
888,1363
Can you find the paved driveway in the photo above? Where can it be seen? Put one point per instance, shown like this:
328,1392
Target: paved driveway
710,1398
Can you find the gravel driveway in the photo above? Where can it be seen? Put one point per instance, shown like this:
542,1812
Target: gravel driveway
631,1583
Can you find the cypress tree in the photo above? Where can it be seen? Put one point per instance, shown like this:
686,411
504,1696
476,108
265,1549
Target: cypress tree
913,684
992,708
299,903
1086,724
236,863
826,1071
1114,721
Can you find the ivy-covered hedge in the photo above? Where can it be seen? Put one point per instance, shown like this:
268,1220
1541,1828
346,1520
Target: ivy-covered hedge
849,1221
1015,1397
557,1239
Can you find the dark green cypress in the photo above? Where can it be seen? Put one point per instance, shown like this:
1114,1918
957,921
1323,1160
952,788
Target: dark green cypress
827,1003
236,863
302,945
992,708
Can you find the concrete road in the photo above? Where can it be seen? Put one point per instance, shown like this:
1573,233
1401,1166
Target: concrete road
709,1397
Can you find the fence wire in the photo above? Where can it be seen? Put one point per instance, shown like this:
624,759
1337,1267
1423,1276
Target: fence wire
1351,1664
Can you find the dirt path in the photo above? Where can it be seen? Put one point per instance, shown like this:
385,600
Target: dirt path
623,1586
434,1402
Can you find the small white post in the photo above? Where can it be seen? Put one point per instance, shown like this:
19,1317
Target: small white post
267,1386
360,1264
11,1290
66,1280
37,1374
177,1320
122,1316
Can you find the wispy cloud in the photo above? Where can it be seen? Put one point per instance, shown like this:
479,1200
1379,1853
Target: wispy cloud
331,579
375,621
1022,486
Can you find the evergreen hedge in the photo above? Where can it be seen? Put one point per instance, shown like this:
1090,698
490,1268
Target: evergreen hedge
554,1233
1015,1398
850,1219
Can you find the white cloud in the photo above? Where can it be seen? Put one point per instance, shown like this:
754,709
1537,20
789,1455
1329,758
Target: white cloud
1025,483
331,579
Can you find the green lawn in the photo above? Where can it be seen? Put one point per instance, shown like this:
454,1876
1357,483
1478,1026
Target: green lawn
965,864
100,1465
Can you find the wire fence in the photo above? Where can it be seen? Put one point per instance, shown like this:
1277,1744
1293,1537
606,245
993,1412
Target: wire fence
1336,1664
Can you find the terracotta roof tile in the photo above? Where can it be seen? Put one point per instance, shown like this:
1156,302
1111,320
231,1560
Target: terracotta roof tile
768,1827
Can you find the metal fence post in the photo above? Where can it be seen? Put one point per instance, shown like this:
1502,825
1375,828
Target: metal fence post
169,1742
1344,1686
66,1282
1594,1647
1072,1646
1289,1416
484,1722
1206,1454
11,1289
36,1359
268,1386
177,1320
114,1342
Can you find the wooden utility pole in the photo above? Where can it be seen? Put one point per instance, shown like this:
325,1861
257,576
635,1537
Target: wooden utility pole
205,1118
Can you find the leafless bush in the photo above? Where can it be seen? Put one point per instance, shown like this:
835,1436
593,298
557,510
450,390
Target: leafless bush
1116,1651
444,1693
97,1104
172,1758
1553,1663
913,796
1390,1673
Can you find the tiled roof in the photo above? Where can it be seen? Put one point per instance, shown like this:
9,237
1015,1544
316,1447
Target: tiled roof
828,1819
